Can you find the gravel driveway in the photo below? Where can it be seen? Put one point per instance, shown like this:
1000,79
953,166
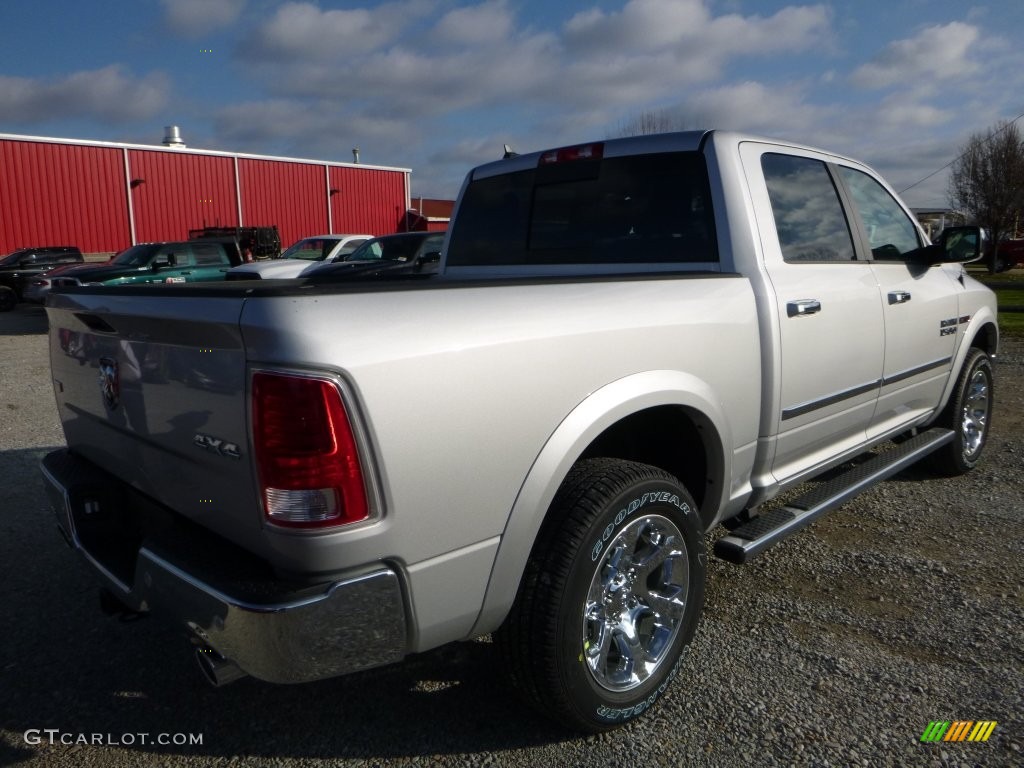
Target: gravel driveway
837,647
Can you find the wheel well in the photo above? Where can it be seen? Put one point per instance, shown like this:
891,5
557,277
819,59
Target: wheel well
673,438
985,339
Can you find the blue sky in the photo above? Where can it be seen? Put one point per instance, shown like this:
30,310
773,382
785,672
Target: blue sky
440,85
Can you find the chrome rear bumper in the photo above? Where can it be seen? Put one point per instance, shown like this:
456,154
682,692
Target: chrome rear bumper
281,632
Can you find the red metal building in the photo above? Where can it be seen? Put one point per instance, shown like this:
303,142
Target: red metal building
429,214
104,197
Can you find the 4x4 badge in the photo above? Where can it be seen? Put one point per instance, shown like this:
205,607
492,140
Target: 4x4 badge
110,384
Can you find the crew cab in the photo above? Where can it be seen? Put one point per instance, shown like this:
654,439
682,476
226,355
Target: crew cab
626,344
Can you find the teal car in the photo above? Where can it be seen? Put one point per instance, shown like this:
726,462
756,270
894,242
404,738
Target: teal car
174,262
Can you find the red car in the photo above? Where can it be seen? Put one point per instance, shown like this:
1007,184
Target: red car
1010,254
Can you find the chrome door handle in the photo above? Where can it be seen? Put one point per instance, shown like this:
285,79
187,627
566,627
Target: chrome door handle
899,297
803,307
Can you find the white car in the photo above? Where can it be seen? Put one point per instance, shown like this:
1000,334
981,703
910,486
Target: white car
305,254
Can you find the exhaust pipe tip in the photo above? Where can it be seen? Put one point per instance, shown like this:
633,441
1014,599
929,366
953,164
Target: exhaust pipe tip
216,669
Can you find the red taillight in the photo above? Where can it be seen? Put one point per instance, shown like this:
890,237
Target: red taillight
570,154
306,453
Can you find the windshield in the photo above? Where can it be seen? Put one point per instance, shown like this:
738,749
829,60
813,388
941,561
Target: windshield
11,258
310,249
394,248
136,256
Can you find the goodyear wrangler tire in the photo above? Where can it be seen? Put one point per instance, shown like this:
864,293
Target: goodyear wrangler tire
968,414
610,598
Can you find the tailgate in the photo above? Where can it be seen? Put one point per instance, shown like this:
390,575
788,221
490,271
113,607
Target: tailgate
152,388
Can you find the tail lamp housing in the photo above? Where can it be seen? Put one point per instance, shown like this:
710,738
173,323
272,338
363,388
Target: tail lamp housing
306,454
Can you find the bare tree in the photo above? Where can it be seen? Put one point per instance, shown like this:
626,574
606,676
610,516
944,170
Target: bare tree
653,121
987,181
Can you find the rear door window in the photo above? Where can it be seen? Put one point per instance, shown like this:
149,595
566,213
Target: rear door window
808,214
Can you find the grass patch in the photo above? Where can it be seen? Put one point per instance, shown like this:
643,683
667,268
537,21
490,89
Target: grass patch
1009,288
1011,297
1011,324
981,274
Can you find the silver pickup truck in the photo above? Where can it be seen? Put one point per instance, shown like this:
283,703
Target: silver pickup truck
627,343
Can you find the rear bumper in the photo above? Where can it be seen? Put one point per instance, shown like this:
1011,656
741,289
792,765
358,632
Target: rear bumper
274,630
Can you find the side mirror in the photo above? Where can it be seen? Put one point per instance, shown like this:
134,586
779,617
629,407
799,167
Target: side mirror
962,245
954,245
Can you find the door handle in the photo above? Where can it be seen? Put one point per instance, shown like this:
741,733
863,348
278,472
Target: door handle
899,297
803,307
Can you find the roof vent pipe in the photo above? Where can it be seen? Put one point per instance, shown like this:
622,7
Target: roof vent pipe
355,155
172,137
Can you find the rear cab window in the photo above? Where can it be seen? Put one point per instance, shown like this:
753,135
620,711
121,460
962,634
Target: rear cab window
644,212
210,255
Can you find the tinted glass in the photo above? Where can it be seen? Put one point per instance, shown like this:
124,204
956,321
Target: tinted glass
400,248
890,231
136,256
209,255
347,248
637,209
808,215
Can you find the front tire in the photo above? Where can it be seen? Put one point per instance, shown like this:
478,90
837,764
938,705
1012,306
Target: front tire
611,596
968,414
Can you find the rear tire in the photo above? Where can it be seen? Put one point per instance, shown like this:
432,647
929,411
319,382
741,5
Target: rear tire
968,414
610,598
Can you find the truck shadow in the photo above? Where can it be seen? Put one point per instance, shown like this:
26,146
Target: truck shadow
71,668
24,320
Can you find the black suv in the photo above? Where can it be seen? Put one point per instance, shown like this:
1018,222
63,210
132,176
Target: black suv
20,266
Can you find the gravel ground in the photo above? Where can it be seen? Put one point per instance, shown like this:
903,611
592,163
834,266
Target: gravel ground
837,647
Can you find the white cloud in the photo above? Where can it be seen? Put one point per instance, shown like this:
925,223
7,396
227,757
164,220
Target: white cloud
695,37
782,111
107,95
196,17
489,22
302,32
935,55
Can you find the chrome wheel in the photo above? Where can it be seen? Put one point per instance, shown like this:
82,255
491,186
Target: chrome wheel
974,416
636,601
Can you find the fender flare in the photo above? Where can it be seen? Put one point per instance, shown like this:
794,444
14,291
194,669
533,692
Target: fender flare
979,320
591,417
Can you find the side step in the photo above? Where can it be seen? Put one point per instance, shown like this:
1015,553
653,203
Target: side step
763,531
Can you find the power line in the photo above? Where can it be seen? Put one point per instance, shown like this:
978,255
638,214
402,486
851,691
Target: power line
947,165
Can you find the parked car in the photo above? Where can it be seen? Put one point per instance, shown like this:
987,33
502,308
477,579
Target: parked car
1009,254
170,262
19,267
413,250
302,256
